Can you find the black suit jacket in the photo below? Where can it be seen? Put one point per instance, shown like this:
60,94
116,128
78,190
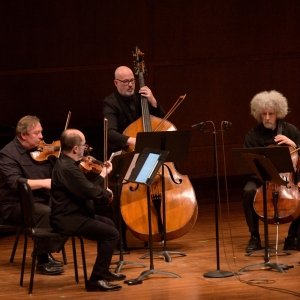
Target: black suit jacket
119,118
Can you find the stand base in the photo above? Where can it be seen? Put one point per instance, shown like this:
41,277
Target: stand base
270,250
218,274
165,254
122,263
146,274
279,267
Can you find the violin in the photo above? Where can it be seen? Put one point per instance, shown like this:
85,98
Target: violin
89,164
44,150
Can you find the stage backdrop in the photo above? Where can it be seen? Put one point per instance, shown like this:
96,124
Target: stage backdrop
60,56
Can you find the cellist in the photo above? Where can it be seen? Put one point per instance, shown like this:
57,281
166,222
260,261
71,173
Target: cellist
269,109
122,108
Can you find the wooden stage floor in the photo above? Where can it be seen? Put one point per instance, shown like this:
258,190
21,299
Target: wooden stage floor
199,245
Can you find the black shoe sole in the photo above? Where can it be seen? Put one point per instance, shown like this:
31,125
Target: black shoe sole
98,289
49,273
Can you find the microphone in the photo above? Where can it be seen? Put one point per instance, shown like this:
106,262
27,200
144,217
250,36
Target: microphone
226,123
199,124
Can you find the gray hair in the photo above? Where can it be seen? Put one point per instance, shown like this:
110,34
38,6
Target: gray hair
25,124
271,100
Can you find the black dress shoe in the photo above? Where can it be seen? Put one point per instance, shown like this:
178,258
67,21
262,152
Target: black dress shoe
124,251
48,269
54,262
254,244
110,276
290,243
101,285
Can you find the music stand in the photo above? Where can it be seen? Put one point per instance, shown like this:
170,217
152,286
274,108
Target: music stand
266,172
143,171
177,143
120,164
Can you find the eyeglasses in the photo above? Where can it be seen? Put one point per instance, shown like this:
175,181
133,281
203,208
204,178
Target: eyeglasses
86,146
127,81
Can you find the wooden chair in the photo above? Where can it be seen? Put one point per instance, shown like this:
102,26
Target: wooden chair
47,234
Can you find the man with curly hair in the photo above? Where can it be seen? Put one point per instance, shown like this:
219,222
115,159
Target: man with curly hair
269,109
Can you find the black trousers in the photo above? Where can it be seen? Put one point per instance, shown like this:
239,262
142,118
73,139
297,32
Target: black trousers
251,216
103,231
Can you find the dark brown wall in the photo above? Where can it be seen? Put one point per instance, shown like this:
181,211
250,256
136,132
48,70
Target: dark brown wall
60,56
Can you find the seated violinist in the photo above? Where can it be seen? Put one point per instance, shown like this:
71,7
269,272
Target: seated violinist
17,163
269,109
72,209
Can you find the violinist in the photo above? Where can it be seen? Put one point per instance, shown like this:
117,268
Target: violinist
269,109
16,163
72,196
122,108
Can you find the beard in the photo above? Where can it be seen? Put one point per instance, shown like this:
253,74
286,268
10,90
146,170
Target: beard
270,125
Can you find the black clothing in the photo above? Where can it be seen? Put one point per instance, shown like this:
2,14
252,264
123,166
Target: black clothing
16,163
118,112
72,196
260,136
263,137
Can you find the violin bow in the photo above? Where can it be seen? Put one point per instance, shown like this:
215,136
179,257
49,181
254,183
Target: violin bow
105,126
173,108
66,127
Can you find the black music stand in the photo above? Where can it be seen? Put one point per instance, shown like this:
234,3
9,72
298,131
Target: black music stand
282,165
120,164
177,143
266,172
143,171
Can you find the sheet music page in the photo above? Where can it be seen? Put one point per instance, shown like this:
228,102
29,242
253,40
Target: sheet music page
115,154
132,165
148,167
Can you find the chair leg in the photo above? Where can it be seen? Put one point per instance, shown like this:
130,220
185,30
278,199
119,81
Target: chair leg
63,251
32,271
83,260
75,259
23,260
15,246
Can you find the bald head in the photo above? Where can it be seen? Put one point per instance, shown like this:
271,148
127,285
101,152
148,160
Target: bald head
124,81
122,71
71,138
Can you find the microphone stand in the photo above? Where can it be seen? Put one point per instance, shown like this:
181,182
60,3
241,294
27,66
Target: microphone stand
218,273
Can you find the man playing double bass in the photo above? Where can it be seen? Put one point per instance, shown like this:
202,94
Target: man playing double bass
268,108
122,108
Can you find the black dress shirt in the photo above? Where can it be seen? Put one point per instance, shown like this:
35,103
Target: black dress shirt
72,196
16,163
260,136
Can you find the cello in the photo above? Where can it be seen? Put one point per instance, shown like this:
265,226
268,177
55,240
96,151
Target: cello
283,202
180,200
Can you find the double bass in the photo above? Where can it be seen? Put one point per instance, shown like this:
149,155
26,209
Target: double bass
180,200
283,202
